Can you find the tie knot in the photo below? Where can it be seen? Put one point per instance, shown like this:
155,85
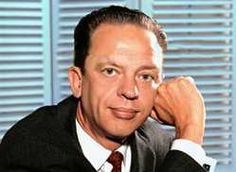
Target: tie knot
115,159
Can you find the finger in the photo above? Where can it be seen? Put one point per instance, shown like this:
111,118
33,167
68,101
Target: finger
162,116
163,97
162,110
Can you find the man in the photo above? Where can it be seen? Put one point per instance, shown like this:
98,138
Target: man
117,85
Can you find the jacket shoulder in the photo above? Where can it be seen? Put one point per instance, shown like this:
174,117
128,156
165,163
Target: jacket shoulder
44,120
32,123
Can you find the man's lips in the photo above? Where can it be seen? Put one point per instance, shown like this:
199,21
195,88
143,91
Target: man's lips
124,113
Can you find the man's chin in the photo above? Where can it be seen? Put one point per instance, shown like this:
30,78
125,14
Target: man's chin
119,138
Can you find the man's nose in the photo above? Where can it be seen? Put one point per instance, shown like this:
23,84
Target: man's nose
128,89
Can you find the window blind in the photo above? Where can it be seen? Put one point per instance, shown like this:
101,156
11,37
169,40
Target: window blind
200,45
24,59
69,13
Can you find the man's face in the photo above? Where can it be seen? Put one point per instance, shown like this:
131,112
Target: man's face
122,72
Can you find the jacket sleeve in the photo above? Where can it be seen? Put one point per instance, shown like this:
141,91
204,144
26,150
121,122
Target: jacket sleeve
177,161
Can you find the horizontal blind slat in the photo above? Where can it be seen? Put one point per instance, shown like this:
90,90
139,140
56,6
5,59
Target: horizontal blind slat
189,2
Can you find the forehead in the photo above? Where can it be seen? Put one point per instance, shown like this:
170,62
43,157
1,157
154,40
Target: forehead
125,43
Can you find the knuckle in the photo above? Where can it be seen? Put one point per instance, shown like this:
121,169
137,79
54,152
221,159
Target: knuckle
162,87
186,81
183,81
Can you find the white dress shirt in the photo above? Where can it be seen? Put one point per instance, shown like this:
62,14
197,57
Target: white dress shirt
98,155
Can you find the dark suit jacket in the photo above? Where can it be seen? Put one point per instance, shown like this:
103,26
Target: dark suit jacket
46,140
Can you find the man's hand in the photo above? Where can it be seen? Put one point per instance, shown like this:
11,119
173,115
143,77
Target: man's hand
180,103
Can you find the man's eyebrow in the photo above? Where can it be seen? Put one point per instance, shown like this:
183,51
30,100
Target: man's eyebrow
102,64
149,67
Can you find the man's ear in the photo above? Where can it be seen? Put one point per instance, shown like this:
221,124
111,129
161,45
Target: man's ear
75,80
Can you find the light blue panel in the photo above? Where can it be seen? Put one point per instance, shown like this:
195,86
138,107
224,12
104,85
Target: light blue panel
146,6
135,4
47,52
54,20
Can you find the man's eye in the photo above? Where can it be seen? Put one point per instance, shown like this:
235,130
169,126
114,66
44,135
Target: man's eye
109,71
146,77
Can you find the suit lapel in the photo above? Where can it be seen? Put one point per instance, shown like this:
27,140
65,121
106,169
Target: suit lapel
66,111
143,157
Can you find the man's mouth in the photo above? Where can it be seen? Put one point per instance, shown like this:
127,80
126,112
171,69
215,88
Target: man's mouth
124,113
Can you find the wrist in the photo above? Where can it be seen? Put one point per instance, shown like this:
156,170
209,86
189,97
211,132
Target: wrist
192,132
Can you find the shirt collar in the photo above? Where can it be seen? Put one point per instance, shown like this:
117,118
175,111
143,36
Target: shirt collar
93,151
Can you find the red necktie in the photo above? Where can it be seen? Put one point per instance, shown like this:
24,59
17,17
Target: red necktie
115,159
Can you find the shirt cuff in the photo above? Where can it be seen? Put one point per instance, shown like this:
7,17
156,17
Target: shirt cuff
196,152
